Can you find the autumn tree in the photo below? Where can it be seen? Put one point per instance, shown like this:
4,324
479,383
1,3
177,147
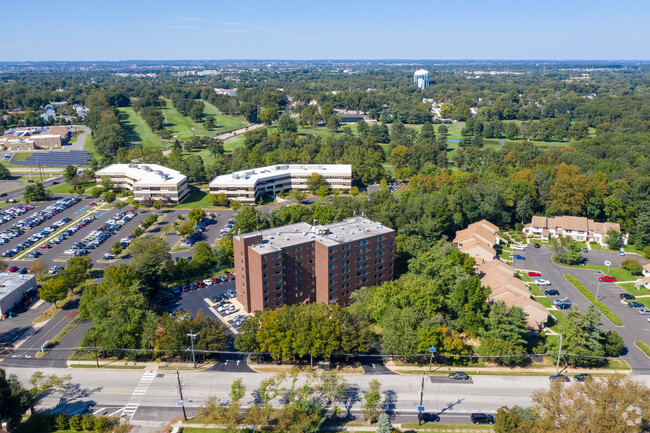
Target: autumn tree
570,193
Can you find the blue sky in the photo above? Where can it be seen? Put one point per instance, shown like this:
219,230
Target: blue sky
203,29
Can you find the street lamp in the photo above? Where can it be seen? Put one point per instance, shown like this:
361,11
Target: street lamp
598,288
192,337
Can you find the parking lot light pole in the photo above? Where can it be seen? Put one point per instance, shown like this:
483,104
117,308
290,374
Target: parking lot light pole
192,337
598,288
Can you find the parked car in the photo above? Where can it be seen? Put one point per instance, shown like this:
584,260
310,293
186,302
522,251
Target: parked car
543,282
621,253
644,311
537,245
23,271
581,377
518,248
559,377
635,304
551,292
518,257
585,250
13,269
458,375
607,279
608,263
627,297
482,418
563,305
231,293
534,274
230,276
428,417
46,246
208,282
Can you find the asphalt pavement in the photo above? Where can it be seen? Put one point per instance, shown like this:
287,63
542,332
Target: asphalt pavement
635,326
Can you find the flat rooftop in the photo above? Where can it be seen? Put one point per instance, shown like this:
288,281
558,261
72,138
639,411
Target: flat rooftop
348,230
11,282
249,177
145,173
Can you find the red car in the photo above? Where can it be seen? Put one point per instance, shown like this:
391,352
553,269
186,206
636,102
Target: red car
46,246
92,203
200,284
607,279
534,274
13,269
230,276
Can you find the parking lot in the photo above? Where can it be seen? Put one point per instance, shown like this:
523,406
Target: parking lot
636,326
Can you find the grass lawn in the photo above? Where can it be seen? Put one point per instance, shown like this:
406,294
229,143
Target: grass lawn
136,130
595,246
619,273
644,347
21,156
632,289
224,123
62,188
632,249
587,294
196,199
88,144
206,430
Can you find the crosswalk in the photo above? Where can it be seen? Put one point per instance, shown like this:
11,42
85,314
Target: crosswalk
138,393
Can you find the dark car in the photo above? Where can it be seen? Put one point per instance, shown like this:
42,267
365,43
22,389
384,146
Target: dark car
627,297
537,245
552,292
519,257
563,305
458,375
482,418
635,304
582,377
559,377
23,271
428,417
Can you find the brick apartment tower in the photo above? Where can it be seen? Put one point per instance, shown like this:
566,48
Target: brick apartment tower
311,263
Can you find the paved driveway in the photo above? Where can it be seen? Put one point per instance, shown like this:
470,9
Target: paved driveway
635,326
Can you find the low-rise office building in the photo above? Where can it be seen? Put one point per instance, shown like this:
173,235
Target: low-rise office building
34,138
147,181
311,263
13,289
247,186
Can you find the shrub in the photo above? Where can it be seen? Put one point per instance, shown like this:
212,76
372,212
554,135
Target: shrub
101,424
75,422
633,266
88,422
61,422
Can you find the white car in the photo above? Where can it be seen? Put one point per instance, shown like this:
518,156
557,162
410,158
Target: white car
543,282
518,248
69,252
608,263
208,282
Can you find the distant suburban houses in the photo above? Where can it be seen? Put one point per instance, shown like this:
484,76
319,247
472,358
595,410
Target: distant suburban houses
580,229
646,276
478,241
34,138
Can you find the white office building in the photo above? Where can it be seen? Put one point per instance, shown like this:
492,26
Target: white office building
248,185
421,78
147,181
13,288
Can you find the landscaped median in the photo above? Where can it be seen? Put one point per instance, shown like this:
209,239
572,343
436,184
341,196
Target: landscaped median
643,346
587,294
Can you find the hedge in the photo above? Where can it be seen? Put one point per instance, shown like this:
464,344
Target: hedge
602,307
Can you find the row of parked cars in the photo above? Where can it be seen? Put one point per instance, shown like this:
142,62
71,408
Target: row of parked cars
47,213
9,214
475,418
224,231
99,236
35,238
198,231
204,283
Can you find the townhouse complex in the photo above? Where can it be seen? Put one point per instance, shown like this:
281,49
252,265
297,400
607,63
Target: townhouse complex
478,241
147,181
248,185
579,228
311,263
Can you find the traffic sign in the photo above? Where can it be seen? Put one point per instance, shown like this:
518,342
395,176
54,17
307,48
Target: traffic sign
421,408
180,403
432,349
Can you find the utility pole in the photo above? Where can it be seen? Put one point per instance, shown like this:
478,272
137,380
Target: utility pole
180,391
432,350
421,397
597,289
192,337
559,353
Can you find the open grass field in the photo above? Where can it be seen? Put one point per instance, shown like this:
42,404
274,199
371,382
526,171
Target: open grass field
136,129
224,123
62,188
181,127
21,156
196,199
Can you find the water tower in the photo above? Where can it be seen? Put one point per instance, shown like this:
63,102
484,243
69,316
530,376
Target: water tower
421,78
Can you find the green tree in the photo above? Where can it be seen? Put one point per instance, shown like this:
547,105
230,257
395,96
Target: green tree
53,290
69,172
371,408
4,172
35,192
354,191
109,196
504,334
107,183
237,390
613,239
14,400
196,215
209,123
383,424
220,199
333,123
149,253
204,257
268,116
632,265
185,229
323,191
315,181
286,124
298,195
578,130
